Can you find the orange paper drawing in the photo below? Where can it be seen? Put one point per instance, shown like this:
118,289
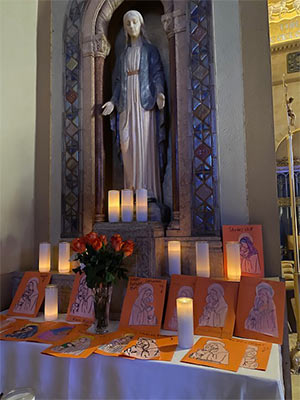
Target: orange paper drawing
114,343
55,332
260,310
181,286
251,248
23,331
214,307
79,345
217,353
30,294
81,305
256,354
152,348
143,305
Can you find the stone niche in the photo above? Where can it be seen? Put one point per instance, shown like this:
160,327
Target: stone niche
180,29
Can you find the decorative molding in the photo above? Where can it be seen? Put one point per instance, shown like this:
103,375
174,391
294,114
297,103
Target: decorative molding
293,44
287,80
286,201
105,15
283,162
281,10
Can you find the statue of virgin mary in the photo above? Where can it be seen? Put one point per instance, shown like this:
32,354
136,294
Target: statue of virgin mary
138,96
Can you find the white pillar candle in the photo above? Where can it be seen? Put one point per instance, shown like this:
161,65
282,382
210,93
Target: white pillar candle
202,259
44,257
113,206
185,322
127,205
64,257
233,261
141,205
174,256
51,303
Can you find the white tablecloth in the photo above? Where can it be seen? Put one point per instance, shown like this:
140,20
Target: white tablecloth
101,377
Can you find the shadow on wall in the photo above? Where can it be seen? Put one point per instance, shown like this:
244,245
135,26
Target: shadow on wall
17,243
5,290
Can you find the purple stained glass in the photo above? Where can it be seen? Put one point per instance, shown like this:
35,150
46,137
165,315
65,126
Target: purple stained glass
205,213
71,213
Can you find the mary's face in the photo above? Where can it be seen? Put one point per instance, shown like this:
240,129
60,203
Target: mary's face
213,348
244,248
263,297
147,297
29,289
212,297
132,25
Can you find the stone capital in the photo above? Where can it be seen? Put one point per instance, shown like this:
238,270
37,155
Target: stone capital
174,22
95,46
101,45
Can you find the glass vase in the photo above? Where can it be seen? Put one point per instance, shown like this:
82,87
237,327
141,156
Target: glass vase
102,299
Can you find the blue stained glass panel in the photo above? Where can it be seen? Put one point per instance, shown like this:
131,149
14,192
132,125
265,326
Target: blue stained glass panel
205,214
71,214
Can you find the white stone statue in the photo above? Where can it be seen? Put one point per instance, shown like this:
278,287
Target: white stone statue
138,97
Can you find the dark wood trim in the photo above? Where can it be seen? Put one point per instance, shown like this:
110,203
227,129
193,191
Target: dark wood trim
100,214
174,131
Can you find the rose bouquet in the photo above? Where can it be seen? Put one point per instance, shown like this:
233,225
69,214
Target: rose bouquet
100,260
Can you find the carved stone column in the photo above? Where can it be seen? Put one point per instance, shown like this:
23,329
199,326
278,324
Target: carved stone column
101,51
174,23
168,24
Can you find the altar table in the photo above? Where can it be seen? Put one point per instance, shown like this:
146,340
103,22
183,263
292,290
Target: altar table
102,377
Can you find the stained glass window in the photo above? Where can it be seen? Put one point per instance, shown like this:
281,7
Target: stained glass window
71,212
205,212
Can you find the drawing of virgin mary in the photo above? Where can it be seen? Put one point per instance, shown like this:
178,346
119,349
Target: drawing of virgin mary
250,358
249,255
262,317
84,301
215,310
117,345
144,348
29,298
212,351
25,332
142,312
75,347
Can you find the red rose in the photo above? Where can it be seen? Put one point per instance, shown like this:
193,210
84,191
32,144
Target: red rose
90,237
127,248
103,239
96,243
116,242
78,245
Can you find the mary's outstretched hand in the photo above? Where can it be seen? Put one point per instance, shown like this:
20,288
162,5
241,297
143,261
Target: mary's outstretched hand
160,101
108,108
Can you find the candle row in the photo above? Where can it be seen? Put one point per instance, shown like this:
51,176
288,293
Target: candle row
63,257
202,259
127,205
